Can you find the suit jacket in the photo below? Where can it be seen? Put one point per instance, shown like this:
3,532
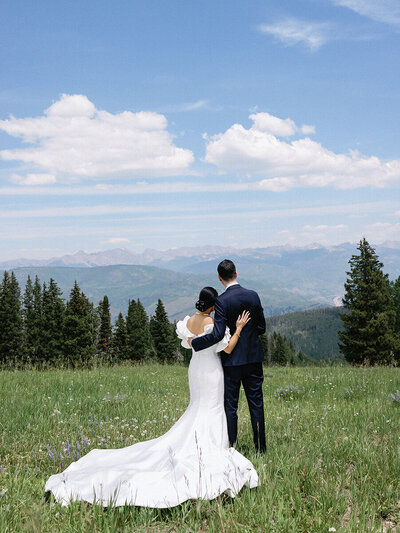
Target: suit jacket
228,306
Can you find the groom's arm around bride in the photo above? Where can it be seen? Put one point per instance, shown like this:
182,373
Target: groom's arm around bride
228,306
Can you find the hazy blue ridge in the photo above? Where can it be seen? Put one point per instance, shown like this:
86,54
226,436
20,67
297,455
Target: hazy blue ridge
177,290
314,332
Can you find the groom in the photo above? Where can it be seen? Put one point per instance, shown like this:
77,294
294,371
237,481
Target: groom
244,365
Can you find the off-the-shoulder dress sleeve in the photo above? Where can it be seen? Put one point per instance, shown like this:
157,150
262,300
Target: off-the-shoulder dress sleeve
183,332
223,343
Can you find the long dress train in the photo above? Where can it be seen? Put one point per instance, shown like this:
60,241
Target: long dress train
192,460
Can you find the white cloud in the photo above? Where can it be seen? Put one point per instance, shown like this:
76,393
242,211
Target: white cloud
75,140
387,11
293,31
106,189
382,231
188,106
86,211
33,179
324,227
117,240
277,184
270,124
307,129
278,126
299,163
323,233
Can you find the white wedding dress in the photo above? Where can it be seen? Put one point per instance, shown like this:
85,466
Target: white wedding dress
192,460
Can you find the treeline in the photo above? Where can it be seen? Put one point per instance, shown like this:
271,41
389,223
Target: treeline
38,329
371,324
279,350
314,332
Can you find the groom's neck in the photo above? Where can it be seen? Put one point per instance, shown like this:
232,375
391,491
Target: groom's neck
225,283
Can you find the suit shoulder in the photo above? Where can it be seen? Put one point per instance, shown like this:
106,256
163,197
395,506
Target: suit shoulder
223,296
251,292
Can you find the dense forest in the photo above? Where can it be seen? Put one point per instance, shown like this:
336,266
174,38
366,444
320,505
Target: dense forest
313,332
38,329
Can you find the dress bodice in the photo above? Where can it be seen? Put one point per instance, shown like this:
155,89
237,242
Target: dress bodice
184,334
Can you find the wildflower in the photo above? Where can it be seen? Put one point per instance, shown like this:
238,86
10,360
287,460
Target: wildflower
396,397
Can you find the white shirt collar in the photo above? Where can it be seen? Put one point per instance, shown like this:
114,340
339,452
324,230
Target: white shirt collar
231,284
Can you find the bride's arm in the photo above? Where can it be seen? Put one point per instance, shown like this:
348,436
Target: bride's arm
240,323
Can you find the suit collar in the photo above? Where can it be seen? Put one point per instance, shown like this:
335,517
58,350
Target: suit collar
233,287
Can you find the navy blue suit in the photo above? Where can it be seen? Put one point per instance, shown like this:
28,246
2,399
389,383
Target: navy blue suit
244,364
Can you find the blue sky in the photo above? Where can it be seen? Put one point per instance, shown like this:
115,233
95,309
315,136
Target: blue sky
183,123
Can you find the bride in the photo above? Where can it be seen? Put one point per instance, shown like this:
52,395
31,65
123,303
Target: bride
192,460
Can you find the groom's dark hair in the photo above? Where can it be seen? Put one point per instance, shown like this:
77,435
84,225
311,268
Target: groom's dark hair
227,270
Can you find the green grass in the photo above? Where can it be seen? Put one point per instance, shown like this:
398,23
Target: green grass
332,460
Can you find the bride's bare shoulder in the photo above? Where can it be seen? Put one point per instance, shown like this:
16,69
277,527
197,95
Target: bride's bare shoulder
197,323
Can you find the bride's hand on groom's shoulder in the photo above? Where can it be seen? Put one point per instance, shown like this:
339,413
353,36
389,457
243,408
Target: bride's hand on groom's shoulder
242,320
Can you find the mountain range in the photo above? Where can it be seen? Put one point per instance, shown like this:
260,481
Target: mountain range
287,278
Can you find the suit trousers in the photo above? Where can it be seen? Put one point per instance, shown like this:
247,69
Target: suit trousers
251,376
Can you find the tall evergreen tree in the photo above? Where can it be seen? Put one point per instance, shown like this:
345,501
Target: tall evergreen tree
164,341
53,311
139,342
11,333
79,329
37,333
394,288
279,352
130,326
120,339
368,327
105,331
28,314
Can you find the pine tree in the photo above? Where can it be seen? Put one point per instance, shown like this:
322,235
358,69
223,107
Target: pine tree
11,333
139,341
394,289
104,346
120,339
28,315
53,311
130,326
302,357
279,352
79,329
164,341
37,324
368,334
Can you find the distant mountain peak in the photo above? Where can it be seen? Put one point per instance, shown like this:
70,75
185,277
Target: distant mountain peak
151,256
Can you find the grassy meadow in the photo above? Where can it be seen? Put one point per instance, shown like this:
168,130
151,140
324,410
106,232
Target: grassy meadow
332,460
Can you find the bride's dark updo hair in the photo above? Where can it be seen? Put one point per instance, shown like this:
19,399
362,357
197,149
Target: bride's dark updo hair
207,298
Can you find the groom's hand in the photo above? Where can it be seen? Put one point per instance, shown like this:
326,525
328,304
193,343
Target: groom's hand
190,341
